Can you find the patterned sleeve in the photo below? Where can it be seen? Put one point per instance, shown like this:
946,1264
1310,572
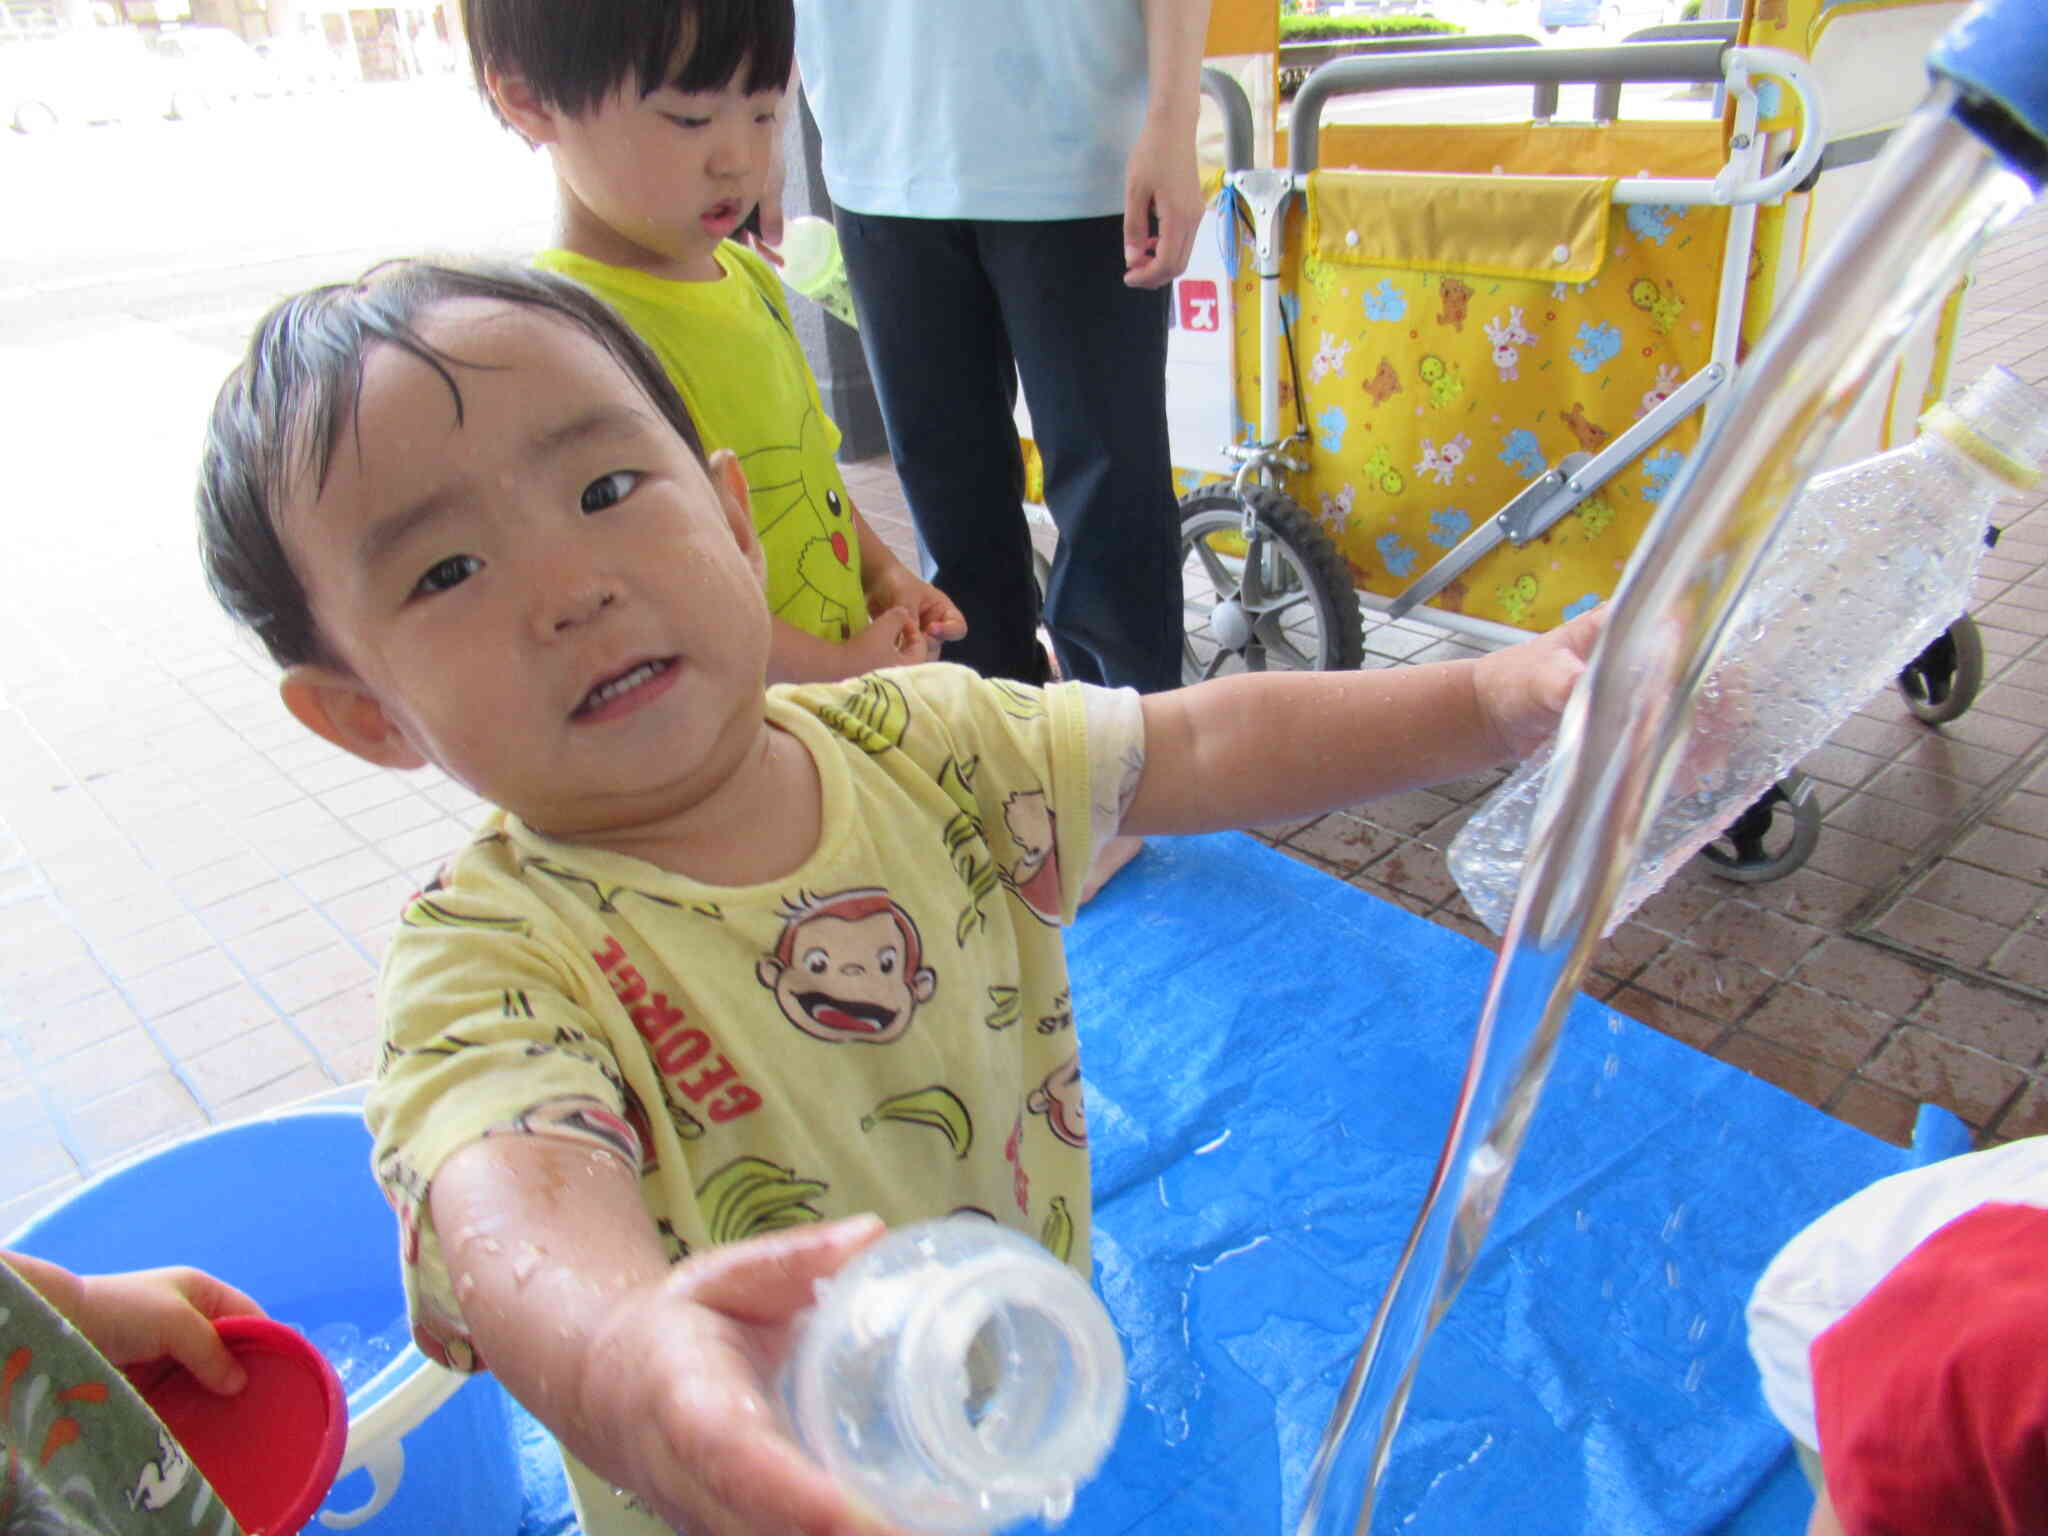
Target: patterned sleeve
1041,777
1073,748
1115,723
484,1035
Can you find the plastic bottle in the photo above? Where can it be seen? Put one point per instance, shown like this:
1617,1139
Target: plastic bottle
1870,564
812,265
957,1378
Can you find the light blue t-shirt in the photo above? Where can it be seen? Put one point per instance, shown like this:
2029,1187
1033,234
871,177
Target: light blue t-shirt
975,109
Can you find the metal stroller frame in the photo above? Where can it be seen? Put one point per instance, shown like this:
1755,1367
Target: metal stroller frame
1274,573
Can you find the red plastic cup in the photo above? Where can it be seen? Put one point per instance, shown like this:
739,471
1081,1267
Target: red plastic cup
271,1450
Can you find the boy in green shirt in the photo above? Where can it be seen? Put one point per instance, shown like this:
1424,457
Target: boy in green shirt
662,122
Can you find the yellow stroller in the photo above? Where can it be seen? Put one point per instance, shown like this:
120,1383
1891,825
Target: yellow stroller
1464,376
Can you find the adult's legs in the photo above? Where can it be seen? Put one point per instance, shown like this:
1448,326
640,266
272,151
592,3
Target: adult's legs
940,356
1092,354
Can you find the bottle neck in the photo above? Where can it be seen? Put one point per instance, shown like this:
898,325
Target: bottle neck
996,1374
1949,431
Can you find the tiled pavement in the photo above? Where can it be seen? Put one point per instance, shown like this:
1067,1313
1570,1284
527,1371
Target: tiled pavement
194,892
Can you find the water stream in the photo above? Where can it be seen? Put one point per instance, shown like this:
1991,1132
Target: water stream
1937,193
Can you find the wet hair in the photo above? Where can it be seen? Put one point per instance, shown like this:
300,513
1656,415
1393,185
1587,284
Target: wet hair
281,414
573,56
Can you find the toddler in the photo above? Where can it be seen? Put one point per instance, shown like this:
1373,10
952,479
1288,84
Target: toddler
648,1037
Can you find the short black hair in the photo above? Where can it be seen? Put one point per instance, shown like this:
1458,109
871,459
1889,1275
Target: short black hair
574,55
282,411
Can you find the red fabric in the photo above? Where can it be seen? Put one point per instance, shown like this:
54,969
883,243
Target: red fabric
1931,1394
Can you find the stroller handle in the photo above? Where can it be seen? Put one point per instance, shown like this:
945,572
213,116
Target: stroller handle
1237,117
1701,61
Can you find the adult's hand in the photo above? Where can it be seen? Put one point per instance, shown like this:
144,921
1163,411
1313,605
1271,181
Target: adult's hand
1162,184
1162,202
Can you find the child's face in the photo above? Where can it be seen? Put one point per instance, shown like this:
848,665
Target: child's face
670,174
550,598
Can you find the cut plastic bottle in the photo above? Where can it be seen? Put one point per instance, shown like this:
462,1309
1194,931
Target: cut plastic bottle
957,1378
1871,563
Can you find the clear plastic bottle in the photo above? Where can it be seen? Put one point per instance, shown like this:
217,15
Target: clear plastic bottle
957,1378
1868,566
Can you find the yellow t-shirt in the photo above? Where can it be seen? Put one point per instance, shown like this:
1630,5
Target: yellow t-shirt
731,351
885,1029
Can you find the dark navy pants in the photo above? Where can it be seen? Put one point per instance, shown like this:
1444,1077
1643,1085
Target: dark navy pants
952,314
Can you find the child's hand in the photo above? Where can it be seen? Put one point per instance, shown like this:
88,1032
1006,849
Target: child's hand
898,586
1523,689
678,1384
657,1376
150,1314
892,640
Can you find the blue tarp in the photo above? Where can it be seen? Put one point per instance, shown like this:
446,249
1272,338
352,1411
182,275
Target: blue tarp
1272,1057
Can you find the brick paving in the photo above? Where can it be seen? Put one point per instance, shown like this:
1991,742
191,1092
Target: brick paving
194,891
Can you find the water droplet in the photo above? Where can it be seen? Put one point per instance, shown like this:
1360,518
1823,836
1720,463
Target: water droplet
1058,1504
525,1262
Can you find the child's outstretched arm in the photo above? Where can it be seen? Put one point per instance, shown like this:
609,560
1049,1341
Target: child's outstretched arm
656,1377
148,1314
1260,746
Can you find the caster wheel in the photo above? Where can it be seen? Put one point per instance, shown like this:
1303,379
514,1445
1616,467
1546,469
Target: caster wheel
1286,603
1770,839
1942,681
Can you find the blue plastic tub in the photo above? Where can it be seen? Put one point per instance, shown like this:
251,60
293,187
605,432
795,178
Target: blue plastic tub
286,1209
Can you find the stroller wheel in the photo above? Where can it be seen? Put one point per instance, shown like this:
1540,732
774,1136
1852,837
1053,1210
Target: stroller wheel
1942,681
1770,839
1285,603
